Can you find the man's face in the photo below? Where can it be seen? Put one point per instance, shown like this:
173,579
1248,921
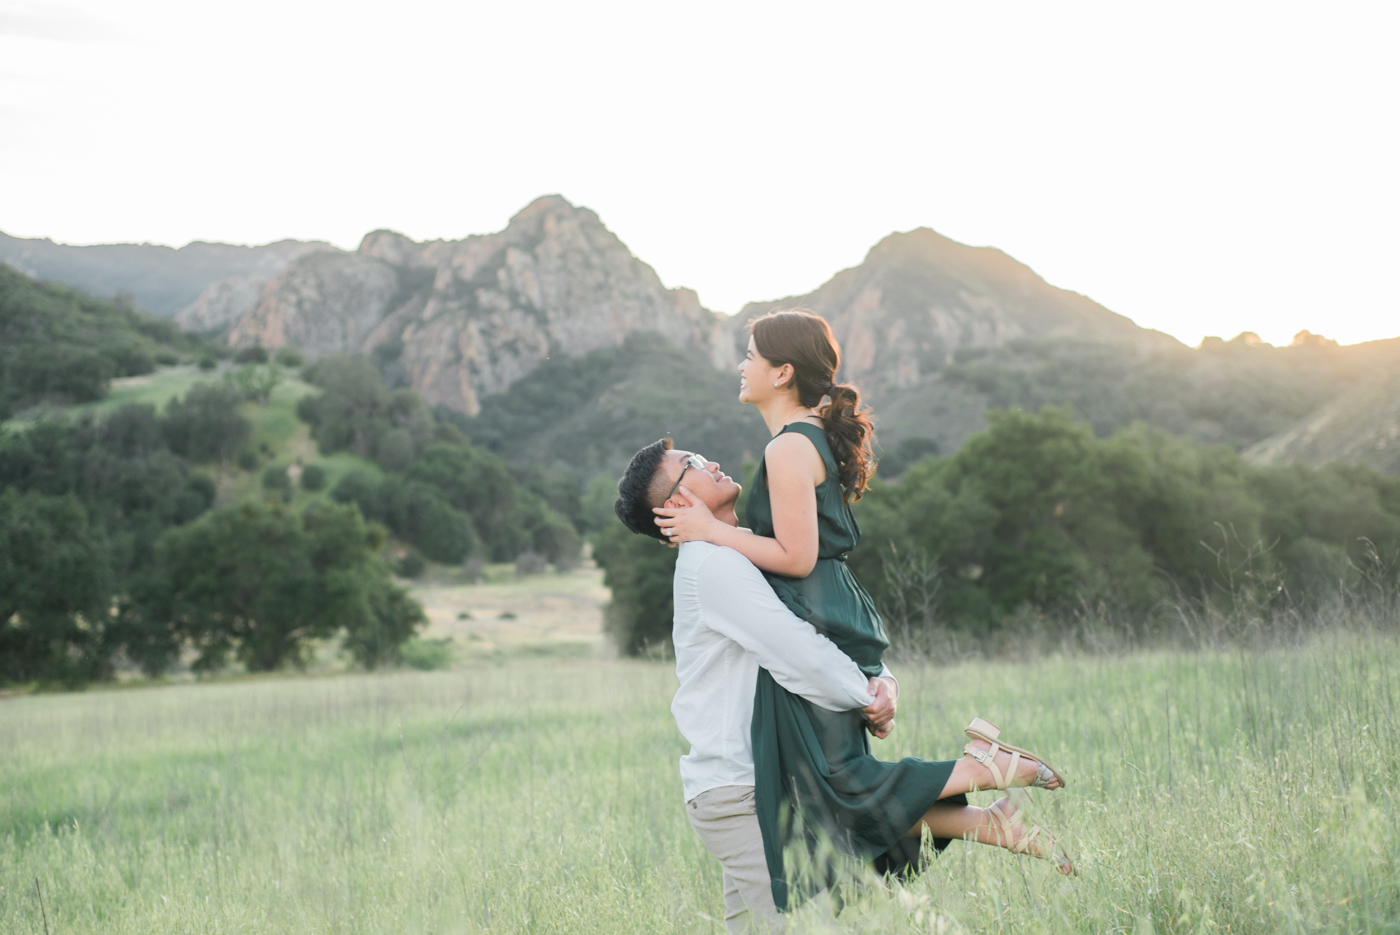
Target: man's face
711,486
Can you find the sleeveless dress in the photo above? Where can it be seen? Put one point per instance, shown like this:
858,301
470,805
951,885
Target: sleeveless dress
815,764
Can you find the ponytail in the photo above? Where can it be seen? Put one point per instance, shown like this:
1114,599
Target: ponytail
850,432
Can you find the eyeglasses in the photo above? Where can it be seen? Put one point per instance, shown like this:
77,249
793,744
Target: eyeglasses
694,461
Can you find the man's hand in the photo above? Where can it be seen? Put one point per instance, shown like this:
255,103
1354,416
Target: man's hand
879,714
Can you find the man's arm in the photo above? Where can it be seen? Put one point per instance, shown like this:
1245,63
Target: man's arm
738,603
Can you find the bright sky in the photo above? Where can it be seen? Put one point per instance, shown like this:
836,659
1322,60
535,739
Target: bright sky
1204,168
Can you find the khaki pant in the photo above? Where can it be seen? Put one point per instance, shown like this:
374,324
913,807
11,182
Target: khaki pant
727,823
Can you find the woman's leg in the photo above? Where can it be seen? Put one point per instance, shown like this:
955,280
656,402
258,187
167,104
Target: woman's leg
977,824
960,821
969,775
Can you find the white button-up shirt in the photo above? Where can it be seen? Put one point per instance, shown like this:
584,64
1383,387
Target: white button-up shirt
728,623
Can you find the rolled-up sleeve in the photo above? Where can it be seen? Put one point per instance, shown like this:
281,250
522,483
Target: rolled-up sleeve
738,603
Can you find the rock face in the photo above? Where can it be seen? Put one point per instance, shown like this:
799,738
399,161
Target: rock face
219,304
465,319
323,303
161,280
918,297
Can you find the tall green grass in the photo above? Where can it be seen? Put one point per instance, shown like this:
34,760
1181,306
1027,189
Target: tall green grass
1209,791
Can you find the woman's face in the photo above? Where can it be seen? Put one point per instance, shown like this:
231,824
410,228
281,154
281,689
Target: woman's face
757,376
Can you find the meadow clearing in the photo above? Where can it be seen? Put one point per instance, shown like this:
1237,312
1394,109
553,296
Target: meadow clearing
1214,791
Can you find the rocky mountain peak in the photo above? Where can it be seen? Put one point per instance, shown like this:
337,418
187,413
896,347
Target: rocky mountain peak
918,297
462,319
390,246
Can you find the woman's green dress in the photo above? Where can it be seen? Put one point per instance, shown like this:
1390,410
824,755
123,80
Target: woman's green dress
816,764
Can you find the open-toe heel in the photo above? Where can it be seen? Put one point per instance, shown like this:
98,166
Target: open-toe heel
1027,837
987,732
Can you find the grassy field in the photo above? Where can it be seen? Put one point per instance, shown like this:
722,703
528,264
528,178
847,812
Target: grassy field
1226,792
152,389
558,615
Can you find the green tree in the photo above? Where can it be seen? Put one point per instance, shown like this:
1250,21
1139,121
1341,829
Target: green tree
256,383
206,425
1037,512
639,571
131,484
261,583
414,511
480,485
355,409
55,590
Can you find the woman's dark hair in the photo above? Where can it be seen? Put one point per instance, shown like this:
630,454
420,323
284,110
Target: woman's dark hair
805,341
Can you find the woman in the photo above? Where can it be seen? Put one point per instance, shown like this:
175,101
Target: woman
810,762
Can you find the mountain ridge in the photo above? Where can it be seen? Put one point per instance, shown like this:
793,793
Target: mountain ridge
161,280
934,332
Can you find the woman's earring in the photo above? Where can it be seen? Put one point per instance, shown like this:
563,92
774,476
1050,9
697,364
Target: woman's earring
778,384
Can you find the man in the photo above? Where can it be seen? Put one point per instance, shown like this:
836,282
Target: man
728,623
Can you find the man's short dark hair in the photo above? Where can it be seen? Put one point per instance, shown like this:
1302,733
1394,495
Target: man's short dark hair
643,487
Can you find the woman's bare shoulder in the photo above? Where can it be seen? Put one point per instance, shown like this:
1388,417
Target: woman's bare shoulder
791,443
793,449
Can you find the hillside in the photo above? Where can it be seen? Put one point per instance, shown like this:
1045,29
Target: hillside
1235,392
588,415
462,320
58,345
1361,425
160,280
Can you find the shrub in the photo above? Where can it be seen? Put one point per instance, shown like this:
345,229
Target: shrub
255,383
208,362
555,538
248,459
251,355
410,566
313,478
395,450
276,480
131,361
167,358
427,655
289,357
530,563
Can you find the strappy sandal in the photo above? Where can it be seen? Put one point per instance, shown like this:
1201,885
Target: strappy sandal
984,730
1021,837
